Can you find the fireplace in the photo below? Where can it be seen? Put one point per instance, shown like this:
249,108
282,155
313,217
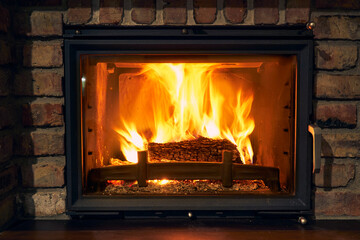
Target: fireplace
198,119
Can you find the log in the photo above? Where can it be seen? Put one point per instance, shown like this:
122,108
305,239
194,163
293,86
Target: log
200,150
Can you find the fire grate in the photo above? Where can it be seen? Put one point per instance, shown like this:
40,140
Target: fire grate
226,171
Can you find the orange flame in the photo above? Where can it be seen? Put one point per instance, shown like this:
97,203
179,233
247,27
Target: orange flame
176,102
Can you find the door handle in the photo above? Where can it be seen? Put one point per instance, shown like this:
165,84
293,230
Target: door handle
316,135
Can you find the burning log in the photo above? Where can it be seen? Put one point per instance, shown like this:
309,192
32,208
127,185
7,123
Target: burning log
200,150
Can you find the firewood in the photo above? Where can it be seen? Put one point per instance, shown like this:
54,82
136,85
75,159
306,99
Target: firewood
201,150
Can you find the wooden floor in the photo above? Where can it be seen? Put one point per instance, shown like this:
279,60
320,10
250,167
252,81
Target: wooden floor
183,229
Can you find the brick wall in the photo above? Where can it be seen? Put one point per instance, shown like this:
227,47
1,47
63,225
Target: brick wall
8,169
39,145
337,93
31,80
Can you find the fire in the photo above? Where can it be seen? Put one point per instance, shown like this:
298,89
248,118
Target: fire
160,182
116,182
156,182
175,102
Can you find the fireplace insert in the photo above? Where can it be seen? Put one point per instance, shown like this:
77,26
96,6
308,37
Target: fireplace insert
205,120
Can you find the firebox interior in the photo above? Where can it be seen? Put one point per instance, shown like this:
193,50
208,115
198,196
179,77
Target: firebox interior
188,113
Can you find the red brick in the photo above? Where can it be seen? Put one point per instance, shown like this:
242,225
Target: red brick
6,55
8,210
337,203
111,11
143,11
337,86
175,12
41,142
235,10
40,3
4,19
338,4
38,83
7,116
42,114
266,11
337,27
5,75
6,147
79,11
336,114
297,11
205,11
44,202
44,172
8,180
48,142
336,56
346,144
43,54
335,175
39,23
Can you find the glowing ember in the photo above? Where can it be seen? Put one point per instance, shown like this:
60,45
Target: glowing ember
160,182
176,102
131,183
185,187
116,182
118,162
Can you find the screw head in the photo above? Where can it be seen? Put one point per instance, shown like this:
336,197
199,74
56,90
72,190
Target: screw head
310,25
77,31
302,220
184,31
190,214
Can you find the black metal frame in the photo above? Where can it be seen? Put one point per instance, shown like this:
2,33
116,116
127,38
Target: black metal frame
191,40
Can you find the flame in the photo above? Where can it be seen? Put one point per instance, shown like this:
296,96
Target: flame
175,102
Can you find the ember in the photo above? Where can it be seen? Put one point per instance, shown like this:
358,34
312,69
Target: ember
183,187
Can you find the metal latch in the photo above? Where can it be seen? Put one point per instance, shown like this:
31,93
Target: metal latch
316,135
